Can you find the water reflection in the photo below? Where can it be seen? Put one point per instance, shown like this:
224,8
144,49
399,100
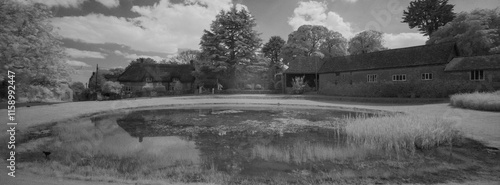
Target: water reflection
234,141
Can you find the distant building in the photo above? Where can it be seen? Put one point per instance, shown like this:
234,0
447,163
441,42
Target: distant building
158,77
301,66
422,71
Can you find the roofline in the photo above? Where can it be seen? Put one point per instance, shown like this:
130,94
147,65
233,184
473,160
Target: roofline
384,68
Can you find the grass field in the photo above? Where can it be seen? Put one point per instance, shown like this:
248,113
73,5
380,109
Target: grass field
488,101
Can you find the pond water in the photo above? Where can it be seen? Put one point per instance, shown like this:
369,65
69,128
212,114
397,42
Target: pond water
235,145
231,140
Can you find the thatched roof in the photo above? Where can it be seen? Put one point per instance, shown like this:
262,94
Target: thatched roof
157,72
304,65
474,63
394,58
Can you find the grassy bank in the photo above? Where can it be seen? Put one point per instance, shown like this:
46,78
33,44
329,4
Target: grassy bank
488,101
400,133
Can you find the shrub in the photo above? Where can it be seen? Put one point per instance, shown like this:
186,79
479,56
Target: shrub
489,101
298,85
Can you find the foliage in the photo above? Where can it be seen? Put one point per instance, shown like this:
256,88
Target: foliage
178,87
185,57
305,41
39,93
78,91
100,80
334,45
476,33
110,87
252,70
401,133
114,72
30,47
366,42
230,41
272,50
489,101
428,15
142,61
298,85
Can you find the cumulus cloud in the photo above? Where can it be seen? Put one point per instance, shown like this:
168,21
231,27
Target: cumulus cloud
109,3
75,53
163,28
135,56
402,40
315,13
77,63
53,3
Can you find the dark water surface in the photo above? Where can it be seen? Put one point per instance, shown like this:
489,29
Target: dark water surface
232,140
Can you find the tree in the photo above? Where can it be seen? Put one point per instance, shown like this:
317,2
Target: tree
334,45
110,87
231,40
30,48
78,90
476,33
185,57
272,49
366,42
428,15
305,41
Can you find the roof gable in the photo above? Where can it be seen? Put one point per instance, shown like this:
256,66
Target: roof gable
394,58
474,63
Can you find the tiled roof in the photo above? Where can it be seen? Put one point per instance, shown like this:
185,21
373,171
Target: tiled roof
304,65
474,63
157,72
394,58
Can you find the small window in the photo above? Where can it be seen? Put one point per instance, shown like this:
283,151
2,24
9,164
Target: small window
477,75
426,76
399,77
148,79
127,89
371,78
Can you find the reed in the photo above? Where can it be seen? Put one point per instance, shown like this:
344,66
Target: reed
488,101
400,132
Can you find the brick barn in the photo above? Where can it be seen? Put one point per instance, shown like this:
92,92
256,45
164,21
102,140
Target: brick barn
422,71
159,77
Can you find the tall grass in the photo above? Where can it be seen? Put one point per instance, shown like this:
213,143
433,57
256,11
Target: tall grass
400,133
303,152
489,101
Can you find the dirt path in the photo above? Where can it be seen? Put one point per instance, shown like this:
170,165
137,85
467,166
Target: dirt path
480,125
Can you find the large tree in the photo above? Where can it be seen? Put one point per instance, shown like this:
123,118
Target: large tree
334,45
29,47
476,33
428,15
272,50
366,42
305,41
185,57
231,39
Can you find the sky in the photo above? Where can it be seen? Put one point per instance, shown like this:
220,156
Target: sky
111,33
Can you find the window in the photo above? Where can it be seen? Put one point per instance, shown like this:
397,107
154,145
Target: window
371,78
426,76
127,89
477,75
399,77
148,79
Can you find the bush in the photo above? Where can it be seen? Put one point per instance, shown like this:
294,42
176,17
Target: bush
489,101
298,85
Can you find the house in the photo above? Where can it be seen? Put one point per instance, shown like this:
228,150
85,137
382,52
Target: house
157,78
422,71
302,66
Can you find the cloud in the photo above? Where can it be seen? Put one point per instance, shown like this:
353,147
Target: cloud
54,3
402,40
135,56
109,3
77,63
75,53
163,27
315,13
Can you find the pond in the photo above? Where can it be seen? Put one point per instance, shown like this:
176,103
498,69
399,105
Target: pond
217,144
